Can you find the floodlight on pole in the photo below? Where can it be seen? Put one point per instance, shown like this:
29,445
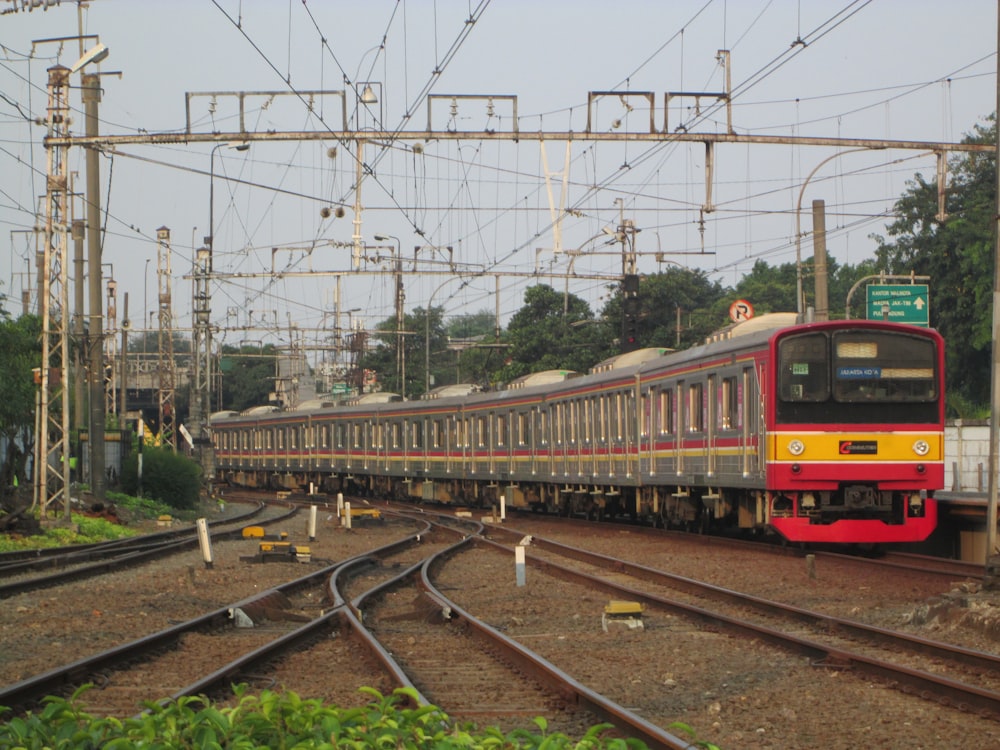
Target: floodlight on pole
95,54
210,240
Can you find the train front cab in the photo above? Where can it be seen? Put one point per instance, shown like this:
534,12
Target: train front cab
856,433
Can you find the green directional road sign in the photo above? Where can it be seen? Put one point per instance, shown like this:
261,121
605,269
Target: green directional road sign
899,303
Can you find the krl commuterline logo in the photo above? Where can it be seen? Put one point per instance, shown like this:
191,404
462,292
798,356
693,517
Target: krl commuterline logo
855,447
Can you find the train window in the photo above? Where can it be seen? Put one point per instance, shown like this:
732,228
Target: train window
617,417
521,430
356,436
543,425
480,432
696,415
667,411
645,404
501,429
729,403
558,424
883,367
394,433
804,368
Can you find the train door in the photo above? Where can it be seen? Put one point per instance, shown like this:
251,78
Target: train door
636,427
491,442
711,428
581,437
753,423
309,449
368,443
561,438
600,433
544,439
682,431
463,438
615,433
649,402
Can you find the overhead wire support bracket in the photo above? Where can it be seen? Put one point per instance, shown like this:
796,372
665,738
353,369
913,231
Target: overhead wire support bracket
649,96
490,99
309,97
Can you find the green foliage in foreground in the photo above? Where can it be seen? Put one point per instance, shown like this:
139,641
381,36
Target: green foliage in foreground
83,530
280,720
88,530
166,476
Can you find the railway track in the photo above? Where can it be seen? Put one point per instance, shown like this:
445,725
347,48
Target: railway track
944,568
48,568
964,678
300,622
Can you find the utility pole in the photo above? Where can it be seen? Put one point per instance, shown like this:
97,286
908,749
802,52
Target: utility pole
165,342
992,573
95,338
52,457
79,277
123,374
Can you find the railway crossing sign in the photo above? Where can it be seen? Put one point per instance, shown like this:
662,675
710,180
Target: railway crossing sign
899,303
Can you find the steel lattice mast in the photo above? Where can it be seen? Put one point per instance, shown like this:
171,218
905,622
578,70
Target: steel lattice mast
166,372
52,464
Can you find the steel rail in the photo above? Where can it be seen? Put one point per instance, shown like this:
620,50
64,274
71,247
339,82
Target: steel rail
961,695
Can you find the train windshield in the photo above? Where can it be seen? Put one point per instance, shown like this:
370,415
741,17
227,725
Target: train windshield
843,375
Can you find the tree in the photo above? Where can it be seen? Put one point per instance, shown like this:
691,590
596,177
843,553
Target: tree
769,288
675,308
248,374
20,342
957,255
552,331
473,340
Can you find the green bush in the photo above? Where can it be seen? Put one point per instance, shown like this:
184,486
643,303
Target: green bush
166,476
278,720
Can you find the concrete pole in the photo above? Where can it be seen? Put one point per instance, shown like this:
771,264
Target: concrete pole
79,277
98,482
819,260
992,561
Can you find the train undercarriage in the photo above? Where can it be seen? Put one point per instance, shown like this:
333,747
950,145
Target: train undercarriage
797,516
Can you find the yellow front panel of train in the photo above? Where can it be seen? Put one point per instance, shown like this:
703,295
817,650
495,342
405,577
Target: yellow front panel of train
856,446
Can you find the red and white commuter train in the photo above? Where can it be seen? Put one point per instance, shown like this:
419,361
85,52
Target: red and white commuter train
827,432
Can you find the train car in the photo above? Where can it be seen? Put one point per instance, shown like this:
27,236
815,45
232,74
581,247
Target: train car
829,432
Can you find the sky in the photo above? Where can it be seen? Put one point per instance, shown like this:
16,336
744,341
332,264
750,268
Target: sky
472,222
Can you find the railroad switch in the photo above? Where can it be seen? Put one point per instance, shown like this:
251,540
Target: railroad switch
618,612
257,532
279,552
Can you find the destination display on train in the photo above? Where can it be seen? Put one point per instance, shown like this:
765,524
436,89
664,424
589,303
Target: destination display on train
858,373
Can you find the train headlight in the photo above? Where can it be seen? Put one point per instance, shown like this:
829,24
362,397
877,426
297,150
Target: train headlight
796,447
921,447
